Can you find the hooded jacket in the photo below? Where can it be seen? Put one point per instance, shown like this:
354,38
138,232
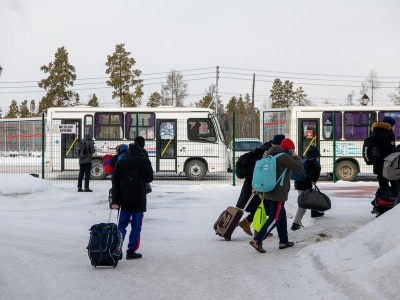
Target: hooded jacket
90,150
129,163
280,193
386,141
313,170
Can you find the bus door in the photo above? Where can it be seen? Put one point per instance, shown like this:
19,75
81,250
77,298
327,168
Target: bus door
166,146
308,135
69,161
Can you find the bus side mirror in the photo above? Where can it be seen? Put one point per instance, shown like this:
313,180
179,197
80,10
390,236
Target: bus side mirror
226,124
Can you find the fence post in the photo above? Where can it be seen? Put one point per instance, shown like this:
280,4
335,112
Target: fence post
334,146
43,145
137,124
233,150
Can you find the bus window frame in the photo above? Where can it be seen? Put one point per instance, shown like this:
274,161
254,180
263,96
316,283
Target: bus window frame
366,125
109,125
210,122
134,113
84,125
390,111
341,126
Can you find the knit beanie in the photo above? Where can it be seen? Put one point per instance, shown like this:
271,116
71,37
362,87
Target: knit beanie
287,144
278,138
389,120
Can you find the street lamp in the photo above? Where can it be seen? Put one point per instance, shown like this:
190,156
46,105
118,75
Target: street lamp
1,70
364,99
66,101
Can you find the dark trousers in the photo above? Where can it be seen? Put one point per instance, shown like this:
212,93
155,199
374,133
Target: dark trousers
84,169
136,219
383,182
276,218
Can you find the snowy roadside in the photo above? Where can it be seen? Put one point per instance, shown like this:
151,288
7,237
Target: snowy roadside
46,233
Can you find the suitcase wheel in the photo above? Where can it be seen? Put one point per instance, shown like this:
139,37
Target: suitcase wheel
227,238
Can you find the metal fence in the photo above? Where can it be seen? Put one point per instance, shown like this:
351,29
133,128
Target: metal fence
188,151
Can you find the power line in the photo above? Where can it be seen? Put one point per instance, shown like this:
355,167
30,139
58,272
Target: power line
312,74
321,79
305,83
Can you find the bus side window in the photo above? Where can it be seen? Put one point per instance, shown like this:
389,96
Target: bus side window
327,118
357,125
109,126
201,130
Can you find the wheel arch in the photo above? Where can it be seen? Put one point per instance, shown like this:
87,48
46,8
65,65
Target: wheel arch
195,158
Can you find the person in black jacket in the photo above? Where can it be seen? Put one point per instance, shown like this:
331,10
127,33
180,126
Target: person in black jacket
387,146
140,141
313,172
128,190
247,189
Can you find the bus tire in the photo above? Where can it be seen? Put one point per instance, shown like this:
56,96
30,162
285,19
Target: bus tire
97,171
195,169
346,170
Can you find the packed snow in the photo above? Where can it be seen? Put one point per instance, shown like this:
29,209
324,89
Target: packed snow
347,254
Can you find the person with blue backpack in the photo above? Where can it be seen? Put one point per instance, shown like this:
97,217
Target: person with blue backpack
304,181
121,152
271,177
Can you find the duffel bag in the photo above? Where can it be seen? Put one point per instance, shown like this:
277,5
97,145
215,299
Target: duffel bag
314,199
385,197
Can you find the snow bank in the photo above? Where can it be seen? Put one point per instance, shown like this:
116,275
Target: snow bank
22,184
367,262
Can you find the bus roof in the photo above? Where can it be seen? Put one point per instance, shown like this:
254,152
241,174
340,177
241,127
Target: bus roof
128,109
336,108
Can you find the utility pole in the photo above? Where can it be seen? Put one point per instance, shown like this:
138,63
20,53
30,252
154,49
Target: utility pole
216,90
253,114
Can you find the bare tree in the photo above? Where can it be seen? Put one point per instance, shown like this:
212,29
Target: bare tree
395,97
175,89
350,97
372,84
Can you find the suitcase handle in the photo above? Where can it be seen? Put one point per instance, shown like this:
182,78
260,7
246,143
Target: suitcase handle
109,217
248,202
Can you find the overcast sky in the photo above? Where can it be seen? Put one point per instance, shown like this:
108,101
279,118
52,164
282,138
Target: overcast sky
340,37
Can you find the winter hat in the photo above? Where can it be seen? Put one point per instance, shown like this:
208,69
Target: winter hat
139,140
278,138
287,144
313,152
389,120
123,148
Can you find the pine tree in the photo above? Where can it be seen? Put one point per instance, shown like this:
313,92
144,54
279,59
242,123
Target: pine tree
208,98
300,97
154,100
122,77
276,95
24,110
93,102
13,111
61,77
288,93
175,89
33,108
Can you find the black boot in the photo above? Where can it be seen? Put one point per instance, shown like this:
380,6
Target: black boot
316,214
130,254
296,226
285,245
87,190
258,246
80,189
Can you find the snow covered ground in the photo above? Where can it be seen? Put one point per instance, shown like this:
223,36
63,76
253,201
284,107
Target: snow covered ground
44,230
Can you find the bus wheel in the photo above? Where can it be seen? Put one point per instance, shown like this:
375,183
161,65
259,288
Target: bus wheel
346,170
97,171
195,170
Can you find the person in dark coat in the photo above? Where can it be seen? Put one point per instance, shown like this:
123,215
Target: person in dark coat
387,140
128,190
85,164
313,173
247,189
279,195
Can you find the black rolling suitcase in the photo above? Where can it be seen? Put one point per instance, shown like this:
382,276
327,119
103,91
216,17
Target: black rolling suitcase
105,244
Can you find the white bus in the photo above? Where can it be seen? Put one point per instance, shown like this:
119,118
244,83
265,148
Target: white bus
178,140
308,126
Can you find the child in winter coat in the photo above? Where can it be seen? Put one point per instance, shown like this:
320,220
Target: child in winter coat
313,172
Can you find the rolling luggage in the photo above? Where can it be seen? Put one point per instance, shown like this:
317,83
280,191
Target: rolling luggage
105,244
314,199
229,220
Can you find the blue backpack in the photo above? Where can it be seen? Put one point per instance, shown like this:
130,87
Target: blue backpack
264,176
303,175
